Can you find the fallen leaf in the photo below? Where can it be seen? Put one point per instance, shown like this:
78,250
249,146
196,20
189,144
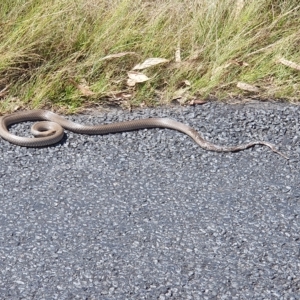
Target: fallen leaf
187,82
117,55
247,87
289,63
150,62
136,77
197,102
130,82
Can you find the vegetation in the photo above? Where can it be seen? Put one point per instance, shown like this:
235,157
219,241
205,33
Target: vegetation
69,54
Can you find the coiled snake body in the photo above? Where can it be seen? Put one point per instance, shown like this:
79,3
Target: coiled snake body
50,131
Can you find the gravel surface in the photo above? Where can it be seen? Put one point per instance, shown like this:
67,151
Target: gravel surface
150,215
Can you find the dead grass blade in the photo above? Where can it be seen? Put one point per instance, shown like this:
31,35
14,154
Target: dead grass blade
289,63
118,55
150,62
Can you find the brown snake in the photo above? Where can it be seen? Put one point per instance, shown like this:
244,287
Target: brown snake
50,131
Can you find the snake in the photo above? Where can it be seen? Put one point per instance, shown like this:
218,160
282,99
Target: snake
49,130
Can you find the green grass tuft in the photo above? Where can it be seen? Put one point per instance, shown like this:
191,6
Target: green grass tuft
47,48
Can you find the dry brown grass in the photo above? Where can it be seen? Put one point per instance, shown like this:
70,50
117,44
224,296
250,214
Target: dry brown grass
49,50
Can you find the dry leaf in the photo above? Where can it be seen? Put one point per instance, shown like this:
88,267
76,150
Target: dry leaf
136,77
130,82
150,62
197,102
117,55
178,55
247,87
187,82
124,95
289,63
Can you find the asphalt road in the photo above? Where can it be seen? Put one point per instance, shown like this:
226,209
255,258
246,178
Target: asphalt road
150,215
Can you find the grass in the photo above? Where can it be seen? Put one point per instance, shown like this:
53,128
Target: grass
51,52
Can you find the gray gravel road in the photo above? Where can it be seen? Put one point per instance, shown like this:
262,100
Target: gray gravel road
150,215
